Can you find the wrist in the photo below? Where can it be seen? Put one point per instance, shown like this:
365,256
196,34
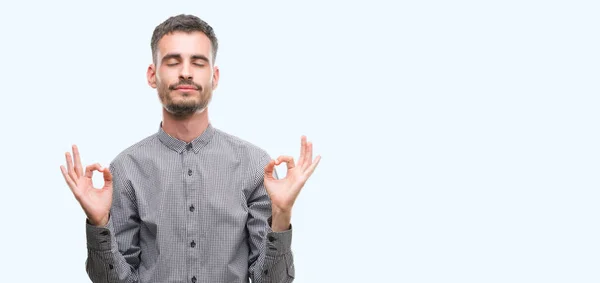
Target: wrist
101,222
281,220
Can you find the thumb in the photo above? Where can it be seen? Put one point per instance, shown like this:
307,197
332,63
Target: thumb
108,179
269,168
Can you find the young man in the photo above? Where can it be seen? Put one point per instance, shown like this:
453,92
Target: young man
189,203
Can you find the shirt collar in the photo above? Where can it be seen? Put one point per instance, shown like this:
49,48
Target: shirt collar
179,145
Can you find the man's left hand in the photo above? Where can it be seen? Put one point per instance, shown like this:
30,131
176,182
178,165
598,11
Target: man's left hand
283,192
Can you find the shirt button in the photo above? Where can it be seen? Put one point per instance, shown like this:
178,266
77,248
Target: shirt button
192,208
194,279
189,172
111,266
188,146
271,239
193,244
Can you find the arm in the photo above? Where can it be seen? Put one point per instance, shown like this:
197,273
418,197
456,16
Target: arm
112,223
113,249
271,258
280,196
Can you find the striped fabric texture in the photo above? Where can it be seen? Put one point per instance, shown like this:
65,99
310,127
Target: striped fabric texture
193,212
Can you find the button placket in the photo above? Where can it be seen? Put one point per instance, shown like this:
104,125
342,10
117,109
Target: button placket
191,183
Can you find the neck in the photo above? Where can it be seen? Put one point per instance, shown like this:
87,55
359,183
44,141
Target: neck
185,128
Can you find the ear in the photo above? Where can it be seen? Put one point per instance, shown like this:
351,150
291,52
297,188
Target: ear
151,75
215,79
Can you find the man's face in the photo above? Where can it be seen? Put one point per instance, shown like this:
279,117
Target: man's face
184,75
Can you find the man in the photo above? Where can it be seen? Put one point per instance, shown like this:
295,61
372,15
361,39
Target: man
189,203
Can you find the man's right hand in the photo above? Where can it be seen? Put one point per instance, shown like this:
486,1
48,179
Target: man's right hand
94,201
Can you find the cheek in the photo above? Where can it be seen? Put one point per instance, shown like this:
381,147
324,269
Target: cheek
162,85
167,76
208,80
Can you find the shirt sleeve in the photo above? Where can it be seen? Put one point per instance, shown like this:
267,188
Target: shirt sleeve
114,250
271,259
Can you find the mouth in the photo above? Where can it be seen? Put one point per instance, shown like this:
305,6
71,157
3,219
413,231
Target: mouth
186,88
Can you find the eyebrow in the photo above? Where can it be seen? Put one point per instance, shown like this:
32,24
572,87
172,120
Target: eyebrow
178,56
200,57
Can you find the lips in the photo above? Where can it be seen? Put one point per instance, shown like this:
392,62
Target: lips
186,87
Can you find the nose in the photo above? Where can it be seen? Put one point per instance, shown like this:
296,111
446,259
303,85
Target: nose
185,72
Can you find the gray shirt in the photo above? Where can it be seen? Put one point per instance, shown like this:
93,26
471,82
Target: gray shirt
189,212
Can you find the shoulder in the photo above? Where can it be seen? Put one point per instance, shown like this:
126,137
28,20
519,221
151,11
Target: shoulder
134,151
240,146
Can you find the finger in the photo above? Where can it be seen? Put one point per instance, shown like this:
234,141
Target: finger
269,168
68,179
307,156
89,170
302,151
313,166
289,161
70,170
108,180
78,167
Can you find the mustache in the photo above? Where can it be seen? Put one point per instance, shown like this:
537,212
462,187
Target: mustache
187,83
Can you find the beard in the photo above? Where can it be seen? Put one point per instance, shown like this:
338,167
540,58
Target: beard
184,107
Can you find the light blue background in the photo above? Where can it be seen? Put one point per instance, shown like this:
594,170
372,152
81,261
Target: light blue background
459,138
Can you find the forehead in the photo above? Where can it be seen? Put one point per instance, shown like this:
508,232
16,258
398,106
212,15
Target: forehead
184,43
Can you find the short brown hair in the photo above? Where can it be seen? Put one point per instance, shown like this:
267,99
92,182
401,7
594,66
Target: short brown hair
184,23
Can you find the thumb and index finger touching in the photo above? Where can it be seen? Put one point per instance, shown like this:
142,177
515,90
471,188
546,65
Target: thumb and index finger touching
89,171
305,161
270,167
72,179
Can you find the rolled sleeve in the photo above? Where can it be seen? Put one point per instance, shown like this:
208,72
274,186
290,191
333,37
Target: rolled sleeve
279,243
99,238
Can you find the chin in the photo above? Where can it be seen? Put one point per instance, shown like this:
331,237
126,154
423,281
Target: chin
185,94
184,109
